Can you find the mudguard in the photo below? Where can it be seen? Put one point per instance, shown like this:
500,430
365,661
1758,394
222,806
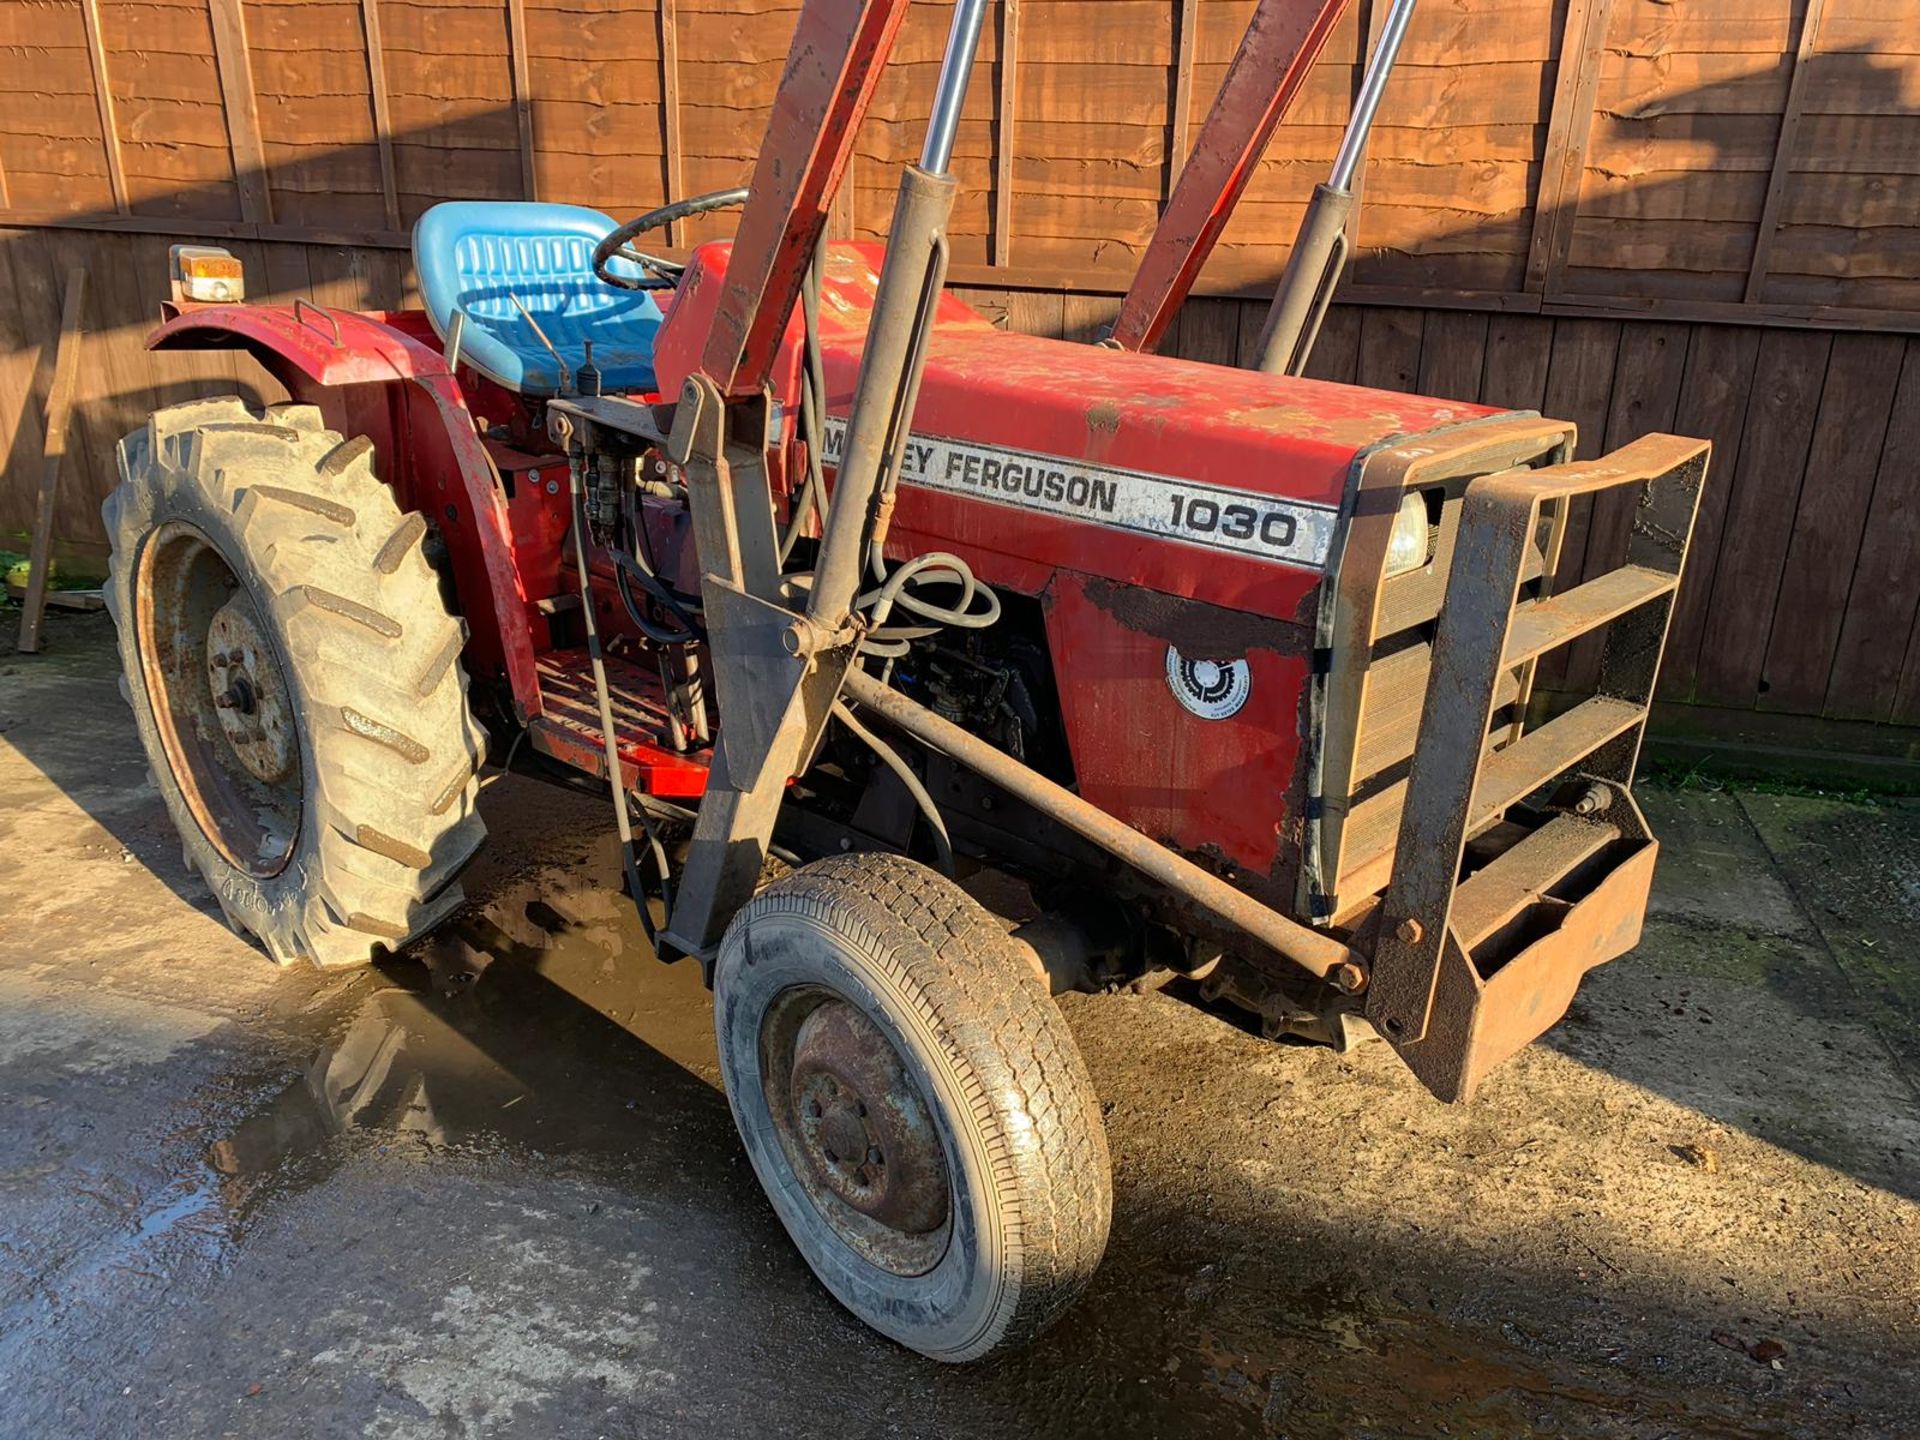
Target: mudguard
369,376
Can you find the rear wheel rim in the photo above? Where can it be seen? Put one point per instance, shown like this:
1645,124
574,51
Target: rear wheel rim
857,1132
220,699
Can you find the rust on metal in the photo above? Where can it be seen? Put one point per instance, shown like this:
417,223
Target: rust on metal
250,698
859,1136
1370,699
1468,970
1192,627
218,700
839,49
863,1124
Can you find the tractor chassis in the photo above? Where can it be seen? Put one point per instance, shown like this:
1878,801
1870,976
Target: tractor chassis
784,659
1433,855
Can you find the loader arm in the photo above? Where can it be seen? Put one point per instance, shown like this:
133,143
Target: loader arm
1283,40
840,48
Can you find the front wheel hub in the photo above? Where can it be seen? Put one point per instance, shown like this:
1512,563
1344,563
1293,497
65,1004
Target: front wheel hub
249,696
862,1126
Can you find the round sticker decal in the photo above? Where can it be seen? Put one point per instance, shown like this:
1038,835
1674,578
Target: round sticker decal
1211,689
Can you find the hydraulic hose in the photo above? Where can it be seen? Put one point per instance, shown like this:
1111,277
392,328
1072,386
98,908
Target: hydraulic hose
888,756
609,736
813,408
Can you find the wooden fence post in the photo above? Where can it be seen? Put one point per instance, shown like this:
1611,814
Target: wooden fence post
66,367
382,109
1576,85
237,98
1005,106
1783,151
670,114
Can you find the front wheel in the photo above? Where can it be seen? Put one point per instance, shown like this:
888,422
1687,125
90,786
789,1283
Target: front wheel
913,1104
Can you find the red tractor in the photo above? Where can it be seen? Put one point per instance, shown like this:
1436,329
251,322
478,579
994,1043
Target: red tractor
848,597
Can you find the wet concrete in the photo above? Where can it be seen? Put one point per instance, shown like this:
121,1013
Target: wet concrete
491,1187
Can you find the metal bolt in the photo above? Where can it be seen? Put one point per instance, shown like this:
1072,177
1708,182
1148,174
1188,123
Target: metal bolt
1592,801
1349,977
1410,931
237,656
873,1155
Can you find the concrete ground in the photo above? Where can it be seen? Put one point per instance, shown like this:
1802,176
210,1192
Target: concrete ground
498,1193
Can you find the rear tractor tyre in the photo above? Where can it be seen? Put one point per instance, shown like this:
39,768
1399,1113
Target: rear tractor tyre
913,1104
295,678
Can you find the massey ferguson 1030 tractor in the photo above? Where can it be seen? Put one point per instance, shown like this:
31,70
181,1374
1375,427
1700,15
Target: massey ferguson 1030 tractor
849,597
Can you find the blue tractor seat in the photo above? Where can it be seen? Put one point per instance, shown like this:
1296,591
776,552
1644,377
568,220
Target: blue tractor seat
477,257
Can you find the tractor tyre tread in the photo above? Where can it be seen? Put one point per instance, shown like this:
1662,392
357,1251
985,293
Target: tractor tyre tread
353,641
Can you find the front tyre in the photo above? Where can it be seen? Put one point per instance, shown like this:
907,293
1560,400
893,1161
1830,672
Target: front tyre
913,1104
294,676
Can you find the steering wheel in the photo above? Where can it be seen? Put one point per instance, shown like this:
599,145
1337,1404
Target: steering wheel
665,274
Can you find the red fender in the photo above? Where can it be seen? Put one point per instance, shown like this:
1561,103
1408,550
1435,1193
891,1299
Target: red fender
370,377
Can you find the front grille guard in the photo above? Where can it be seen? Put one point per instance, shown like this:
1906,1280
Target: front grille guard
1496,908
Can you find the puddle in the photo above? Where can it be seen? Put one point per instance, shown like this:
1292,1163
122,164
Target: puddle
541,1024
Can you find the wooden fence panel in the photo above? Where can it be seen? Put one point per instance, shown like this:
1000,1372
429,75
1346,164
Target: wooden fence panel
52,144
311,73
1788,377
1590,189
1713,405
1848,225
1881,607
1719,159
1803,588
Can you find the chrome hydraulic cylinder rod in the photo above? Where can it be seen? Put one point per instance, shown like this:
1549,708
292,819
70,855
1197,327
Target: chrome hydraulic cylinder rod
895,352
1319,251
950,91
1353,145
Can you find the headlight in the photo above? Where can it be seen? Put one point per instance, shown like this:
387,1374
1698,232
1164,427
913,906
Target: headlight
1407,547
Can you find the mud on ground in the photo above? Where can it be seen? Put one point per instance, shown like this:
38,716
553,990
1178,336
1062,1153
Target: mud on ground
491,1187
